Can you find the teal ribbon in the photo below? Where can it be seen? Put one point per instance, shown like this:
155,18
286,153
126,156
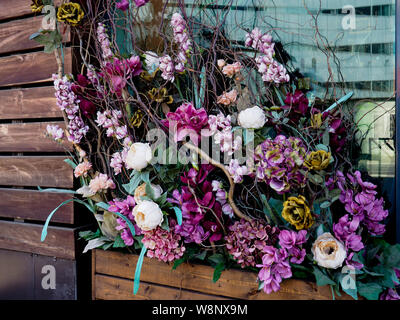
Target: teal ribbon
46,225
136,281
178,213
341,100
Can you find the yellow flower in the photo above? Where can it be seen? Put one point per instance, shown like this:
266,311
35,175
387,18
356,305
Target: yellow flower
316,120
137,118
297,213
71,13
37,6
318,160
160,95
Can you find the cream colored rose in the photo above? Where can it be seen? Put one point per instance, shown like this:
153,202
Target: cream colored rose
328,251
139,156
141,192
252,118
148,215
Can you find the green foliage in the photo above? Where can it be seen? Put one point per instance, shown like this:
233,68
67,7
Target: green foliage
50,39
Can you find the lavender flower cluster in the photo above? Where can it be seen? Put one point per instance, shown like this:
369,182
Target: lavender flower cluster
104,41
221,196
268,67
275,264
109,119
68,102
221,129
181,37
359,198
278,162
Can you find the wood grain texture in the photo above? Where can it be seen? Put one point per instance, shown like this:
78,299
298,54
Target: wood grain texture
16,8
35,205
30,137
111,288
14,35
31,103
25,237
33,67
233,283
49,171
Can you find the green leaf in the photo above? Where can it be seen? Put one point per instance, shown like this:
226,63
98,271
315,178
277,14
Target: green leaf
322,147
119,243
218,271
349,288
370,291
321,278
201,256
391,256
216,258
178,262
56,190
133,184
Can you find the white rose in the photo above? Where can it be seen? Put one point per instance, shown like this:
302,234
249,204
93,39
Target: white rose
152,60
252,118
139,156
141,192
328,251
148,215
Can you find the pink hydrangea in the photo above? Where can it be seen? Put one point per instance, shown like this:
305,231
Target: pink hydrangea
101,183
247,239
82,169
163,245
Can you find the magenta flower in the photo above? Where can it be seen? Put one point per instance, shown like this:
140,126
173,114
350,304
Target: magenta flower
297,104
123,5
140,3
187,121
119,71
201,212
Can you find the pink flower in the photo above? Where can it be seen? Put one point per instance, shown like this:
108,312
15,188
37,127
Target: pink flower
101,183
140,3
123,5
227,98
167,68
231,69
236,171
163,245
82,169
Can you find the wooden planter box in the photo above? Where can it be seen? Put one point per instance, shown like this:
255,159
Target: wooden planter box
113,273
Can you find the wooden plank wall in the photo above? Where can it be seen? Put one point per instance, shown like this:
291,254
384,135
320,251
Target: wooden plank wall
27,157
113,274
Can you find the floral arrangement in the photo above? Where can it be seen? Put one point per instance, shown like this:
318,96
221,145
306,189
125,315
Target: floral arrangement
204,149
